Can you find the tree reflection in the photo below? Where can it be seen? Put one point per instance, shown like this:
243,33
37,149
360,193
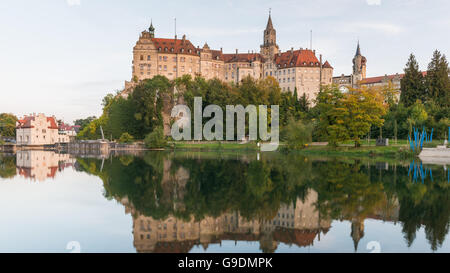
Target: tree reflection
196,187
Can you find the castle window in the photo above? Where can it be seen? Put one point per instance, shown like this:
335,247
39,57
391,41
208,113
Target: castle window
165,68
148,58
165,58
142,57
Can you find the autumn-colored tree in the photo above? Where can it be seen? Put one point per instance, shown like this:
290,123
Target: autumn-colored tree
350,115
365,108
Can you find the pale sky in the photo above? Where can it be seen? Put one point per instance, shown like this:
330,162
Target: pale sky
61,57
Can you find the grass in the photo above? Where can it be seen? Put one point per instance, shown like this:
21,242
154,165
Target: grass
399,151
213,146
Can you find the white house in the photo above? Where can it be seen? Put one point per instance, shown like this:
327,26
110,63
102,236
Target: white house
37,130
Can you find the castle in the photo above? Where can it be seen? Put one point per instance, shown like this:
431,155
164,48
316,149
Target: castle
359,77
294,69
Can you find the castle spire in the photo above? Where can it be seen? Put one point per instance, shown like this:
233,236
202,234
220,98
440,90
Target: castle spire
151,29
358,50
269,22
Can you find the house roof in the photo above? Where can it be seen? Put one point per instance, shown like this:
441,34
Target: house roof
26,123
379,79
242,57
297,58
327,65
175,46
217,55
66,127
53,124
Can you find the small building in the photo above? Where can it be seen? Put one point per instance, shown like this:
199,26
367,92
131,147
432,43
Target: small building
37,130
68,130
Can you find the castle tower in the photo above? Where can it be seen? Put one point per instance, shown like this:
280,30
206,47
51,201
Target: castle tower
357,232
269,47
151,30
359,66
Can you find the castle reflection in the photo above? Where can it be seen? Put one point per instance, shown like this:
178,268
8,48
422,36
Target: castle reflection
181,201
298,224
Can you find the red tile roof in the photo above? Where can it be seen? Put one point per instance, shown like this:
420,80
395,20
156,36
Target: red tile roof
294,236
25,122
66,127
385,77
217,55
175,46
297,58
327,65
53,124
242,57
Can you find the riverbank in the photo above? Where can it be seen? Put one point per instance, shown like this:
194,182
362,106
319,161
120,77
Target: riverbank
399,152
394,151
213,146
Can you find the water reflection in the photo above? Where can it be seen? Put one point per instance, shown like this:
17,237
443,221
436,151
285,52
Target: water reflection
40,165
180,201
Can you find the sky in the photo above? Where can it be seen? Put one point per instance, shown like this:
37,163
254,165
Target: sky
61,57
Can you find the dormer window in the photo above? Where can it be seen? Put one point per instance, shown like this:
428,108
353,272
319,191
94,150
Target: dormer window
171,50
165,49
159,49
182,50
190,50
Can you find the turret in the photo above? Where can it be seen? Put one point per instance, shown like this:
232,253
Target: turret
359,65
151,30
269,47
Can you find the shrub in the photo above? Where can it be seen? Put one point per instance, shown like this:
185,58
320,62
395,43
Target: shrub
297,134
156,139
126,138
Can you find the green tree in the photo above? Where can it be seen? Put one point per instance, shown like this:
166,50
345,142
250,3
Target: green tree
156,139
303,103
297,134
412,84
331,125
147,101
365,109
437,79
121,118
126,138
84,122
351,115
7,125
